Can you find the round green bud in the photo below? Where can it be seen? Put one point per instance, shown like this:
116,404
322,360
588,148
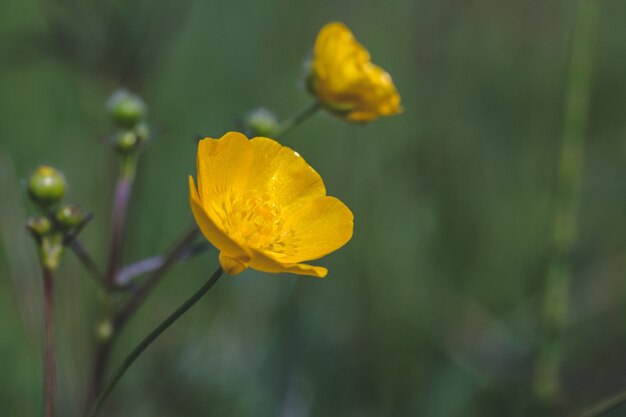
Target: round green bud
39,225
261,122
142,130
69,216
104,331
46,186
126,109
125,142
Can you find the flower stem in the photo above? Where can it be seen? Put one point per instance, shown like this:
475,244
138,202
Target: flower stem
297,119
149,265
173,255
120,208
141,347
556,298
88,262
106,330
114,322
49,368
605,406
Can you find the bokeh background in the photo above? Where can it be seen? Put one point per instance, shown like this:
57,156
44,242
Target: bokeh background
431,309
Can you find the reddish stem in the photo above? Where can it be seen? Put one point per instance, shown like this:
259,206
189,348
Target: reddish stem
49,369
120,208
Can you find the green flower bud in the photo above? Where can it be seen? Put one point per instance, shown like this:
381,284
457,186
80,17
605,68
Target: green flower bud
46,186
104,331
69,216
261,122
126,109
125,142
39,225
142,130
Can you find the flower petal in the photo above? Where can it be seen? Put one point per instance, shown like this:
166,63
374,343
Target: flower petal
283,174
264,262
322,226
346,81
223,164
211,231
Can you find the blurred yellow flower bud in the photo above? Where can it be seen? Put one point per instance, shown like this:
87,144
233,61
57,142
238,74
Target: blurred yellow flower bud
346,82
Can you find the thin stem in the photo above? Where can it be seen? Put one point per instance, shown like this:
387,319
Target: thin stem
112,324
120,207
88,262
605,406
556,296
49,368
173,255
99,365
141,347
71,237
129,272
106,330
71,240
297,119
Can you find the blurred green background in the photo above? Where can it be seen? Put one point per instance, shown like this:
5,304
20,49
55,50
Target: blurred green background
432,308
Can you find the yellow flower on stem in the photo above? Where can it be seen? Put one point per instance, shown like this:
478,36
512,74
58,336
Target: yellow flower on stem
262,206
346,82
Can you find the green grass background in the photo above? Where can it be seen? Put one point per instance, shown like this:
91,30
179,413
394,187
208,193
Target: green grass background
430,310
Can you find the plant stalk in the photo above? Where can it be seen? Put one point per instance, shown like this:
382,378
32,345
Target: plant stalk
49,367
297,119
173,255
123,191
147,341
547,384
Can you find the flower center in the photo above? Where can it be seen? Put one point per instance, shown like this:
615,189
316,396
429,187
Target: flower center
255,220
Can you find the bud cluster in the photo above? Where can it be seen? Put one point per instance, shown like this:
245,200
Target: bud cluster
261,122
46,188
128,112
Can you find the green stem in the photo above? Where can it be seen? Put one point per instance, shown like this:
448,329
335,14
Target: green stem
297,119
556,296
605,406
138,350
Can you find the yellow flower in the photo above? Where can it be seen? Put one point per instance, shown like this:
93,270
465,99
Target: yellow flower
264,207
345,80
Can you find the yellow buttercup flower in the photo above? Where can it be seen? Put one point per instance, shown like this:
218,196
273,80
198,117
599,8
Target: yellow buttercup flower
264,207
346,82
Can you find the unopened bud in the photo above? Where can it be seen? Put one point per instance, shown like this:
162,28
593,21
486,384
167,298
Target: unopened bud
39,225
261,122
104,331
126,109
142,130
46,186
69,216
125,142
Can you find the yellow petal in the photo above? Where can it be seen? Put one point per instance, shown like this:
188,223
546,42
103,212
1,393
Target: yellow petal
346,81
319,228
264,207
210,230
264,262
222,164
283,174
